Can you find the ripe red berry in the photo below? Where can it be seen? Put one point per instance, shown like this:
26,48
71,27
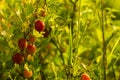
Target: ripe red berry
46,33
17,58
22,43
27,73
31,48
85,76
39,25
32,38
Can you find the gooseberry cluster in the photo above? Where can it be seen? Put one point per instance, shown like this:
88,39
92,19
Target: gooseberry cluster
27,47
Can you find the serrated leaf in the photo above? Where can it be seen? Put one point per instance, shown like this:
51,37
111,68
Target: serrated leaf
37,34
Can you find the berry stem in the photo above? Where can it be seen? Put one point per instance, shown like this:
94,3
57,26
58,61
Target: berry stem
79,23
71,25
59,50
31,29
104,45
70,47
114,75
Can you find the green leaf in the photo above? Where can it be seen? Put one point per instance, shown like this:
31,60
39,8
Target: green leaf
116,22
10,2
29,9
3,43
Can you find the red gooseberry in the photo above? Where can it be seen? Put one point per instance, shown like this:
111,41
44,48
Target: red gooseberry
27,73
46,33
17,58
22,43
31,48
32,38
85,76
39,25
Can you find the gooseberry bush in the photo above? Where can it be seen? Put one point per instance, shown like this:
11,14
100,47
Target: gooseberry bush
59,40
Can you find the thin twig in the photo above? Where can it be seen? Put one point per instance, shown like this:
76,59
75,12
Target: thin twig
61,55
104,45
79,23
114,73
